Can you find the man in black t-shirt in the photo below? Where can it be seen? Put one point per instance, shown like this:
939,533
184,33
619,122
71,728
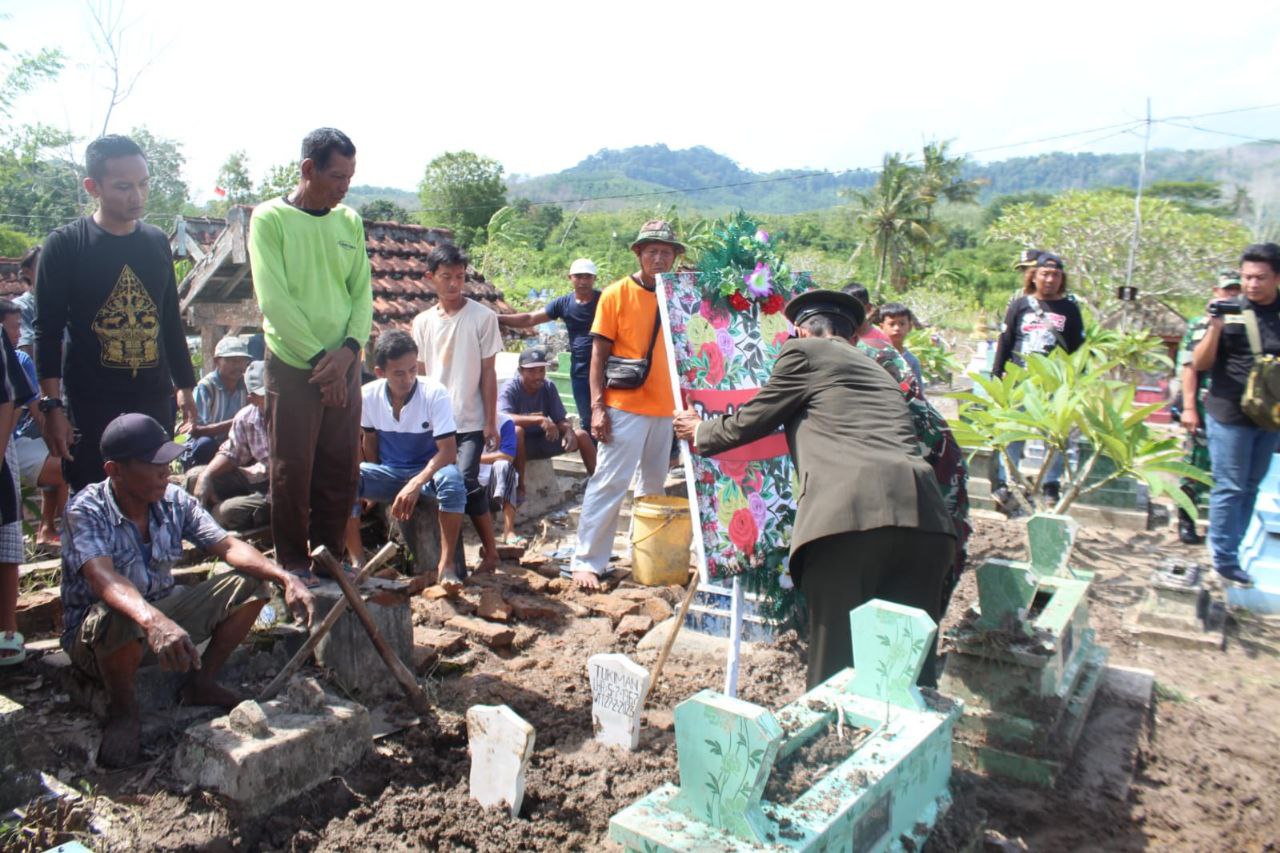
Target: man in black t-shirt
578,311
1239,450
105,283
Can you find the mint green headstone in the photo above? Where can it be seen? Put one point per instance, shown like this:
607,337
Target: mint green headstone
890,644
1005,592
1050,539
725,749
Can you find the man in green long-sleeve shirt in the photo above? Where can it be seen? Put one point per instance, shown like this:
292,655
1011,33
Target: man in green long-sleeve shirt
311,274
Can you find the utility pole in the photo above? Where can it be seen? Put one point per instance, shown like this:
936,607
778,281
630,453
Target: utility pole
1137,212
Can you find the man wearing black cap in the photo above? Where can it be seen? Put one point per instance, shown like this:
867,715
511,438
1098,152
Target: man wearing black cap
870,520
542,425
121,608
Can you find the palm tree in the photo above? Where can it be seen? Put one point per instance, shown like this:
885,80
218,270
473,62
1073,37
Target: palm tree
894,218
939,180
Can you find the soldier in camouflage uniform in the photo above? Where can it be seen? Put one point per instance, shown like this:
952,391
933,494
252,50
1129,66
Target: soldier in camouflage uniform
937,445
1194,386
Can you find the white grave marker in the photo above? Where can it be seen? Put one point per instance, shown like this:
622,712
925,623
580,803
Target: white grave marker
500,743
618,687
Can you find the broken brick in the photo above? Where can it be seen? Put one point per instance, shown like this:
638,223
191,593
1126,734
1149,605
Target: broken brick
634,594
40,612
633,626
656,609
435,593
444,642
613,607
492,607
493,636
534,607
535,581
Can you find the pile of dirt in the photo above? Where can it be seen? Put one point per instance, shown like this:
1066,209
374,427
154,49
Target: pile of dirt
795,775
1205,767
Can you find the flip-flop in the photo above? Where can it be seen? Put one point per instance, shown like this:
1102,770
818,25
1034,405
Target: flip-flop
516,541
567,574
12,642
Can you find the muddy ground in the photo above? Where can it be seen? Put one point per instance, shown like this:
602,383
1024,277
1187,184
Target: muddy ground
1205,765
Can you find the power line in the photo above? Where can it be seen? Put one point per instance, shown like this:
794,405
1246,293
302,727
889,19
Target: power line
1189,126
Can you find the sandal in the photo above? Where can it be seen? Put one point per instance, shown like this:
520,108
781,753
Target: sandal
515,540
12,641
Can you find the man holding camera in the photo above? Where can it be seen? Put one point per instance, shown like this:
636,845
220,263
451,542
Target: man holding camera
1189,406
1240,450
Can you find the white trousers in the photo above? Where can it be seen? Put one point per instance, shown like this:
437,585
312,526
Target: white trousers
639,441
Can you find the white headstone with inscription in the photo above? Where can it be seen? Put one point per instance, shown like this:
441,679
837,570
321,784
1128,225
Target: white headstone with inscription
500,743
618,687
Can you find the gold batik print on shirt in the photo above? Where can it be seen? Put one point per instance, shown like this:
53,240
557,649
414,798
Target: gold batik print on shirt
128,325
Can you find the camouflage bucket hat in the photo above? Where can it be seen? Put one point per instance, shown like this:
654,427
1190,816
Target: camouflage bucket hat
1228,278
658,231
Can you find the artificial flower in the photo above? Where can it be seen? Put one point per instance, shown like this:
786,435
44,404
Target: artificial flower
759,281
762,236
772,305
738,302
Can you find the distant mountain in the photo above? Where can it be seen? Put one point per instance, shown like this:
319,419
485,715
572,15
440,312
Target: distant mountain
358,197
703,179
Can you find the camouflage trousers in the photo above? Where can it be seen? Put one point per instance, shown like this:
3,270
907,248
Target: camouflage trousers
1197,445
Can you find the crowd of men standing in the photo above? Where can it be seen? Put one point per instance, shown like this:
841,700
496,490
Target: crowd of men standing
296,438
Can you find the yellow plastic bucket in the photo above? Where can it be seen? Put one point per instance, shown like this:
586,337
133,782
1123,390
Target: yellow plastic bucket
661,533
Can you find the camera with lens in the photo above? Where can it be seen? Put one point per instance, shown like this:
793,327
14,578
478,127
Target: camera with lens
1222,307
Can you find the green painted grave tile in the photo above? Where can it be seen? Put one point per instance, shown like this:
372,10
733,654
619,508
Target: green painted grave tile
890,644
725,749
1005,591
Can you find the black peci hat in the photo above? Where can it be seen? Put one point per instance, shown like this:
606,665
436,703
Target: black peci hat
811,302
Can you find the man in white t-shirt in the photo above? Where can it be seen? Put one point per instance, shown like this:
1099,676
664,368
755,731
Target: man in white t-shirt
409,447
458,340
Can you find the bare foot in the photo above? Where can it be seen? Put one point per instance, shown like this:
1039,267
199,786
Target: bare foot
450,581
210,693
120,740
586,580
488,562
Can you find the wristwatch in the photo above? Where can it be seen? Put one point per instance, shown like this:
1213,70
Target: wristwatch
48,404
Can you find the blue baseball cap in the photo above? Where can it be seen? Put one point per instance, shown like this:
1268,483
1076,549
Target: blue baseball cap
138,436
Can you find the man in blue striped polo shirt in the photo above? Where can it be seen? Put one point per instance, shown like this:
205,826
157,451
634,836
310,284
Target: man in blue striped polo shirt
410,447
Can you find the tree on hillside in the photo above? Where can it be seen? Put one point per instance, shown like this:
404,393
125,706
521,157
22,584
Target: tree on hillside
235,183
1178,252
384,210
39,188
893,219
281,179
165,161
463,191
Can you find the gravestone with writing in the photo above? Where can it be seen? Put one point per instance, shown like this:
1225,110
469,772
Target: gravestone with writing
888,792
500,743
618,687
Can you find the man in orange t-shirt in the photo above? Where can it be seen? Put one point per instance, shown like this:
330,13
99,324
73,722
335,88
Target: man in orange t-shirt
633,426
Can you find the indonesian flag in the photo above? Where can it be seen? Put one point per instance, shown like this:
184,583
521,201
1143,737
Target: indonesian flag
219,192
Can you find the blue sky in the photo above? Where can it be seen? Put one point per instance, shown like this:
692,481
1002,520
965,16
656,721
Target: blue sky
540,86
